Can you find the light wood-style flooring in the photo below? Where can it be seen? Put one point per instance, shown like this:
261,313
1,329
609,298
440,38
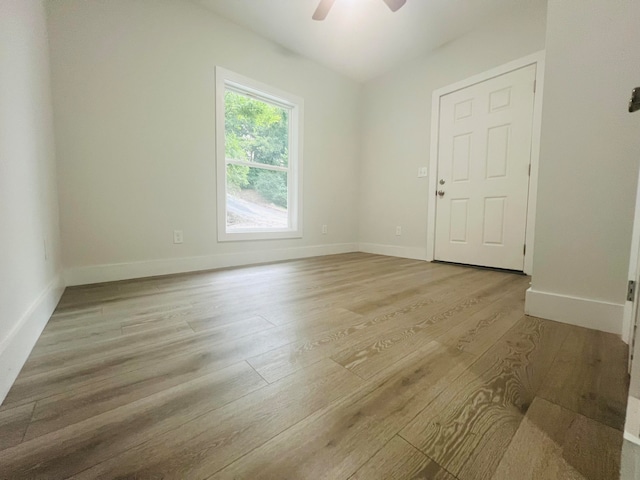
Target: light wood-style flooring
350,366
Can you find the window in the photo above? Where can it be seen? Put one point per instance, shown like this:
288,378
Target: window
259,160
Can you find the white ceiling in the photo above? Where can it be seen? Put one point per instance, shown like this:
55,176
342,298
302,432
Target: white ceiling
362,38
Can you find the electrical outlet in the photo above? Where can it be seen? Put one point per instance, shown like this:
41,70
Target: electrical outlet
398,231
422,172
177,236
324,229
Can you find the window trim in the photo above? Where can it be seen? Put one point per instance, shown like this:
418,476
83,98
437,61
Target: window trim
226,79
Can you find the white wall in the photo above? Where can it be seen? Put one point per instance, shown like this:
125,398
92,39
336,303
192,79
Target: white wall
397,126
589,158
134,99
29,284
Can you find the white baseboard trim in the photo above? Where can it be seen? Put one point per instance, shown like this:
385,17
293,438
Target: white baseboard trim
632,422
17,345
393,251
583,312
153,268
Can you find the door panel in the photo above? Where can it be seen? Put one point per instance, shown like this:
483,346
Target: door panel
494,212
461,158
459,220
497,151
483,171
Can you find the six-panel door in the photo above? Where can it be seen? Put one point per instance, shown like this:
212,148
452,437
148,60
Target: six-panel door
484,152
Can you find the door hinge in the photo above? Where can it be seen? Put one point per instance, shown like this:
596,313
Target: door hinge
534,85
529,169
631,291
524,249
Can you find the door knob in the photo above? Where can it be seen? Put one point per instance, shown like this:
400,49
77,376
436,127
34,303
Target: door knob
441,193
442,181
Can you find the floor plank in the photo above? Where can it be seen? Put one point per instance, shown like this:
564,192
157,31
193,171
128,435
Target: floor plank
42,360
339,439
13,425
398,460
160,360
204,445
283,361
78,404
368,357
468,428
479,331
553,442
586,377
78,446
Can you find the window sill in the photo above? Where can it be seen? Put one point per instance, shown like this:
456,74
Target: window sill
248,236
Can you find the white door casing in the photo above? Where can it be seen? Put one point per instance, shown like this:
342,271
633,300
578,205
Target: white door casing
629,335
630,313
484,152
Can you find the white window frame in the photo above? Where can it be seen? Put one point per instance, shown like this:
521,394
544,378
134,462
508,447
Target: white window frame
227,79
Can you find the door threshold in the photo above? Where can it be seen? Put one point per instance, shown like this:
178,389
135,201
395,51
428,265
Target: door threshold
482,267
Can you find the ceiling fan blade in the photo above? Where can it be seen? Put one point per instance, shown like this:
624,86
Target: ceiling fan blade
323,9
394,4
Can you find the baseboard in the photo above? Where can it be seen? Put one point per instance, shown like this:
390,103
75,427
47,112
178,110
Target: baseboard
629,460
16,347
632,421
583,312
153,268
393,250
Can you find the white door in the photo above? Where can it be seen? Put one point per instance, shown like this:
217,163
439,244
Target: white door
484,150
630,314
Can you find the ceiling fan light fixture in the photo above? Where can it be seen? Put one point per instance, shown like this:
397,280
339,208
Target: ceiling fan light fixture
394,5
323,9
325,5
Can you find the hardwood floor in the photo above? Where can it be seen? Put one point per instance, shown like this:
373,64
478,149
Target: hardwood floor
350,366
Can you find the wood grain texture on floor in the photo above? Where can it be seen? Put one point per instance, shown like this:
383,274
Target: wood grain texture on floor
342,367
399,460
553,442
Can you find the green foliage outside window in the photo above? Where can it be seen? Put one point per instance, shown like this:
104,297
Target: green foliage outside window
256,132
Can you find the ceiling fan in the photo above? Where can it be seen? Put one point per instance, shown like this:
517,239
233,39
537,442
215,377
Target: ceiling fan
325,5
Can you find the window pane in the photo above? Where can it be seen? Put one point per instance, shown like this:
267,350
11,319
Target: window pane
256,198
255,131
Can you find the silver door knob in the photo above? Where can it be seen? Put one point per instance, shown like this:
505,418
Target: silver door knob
441,193
442,181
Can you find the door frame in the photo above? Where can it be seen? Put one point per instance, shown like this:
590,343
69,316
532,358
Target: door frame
537,59
629,313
